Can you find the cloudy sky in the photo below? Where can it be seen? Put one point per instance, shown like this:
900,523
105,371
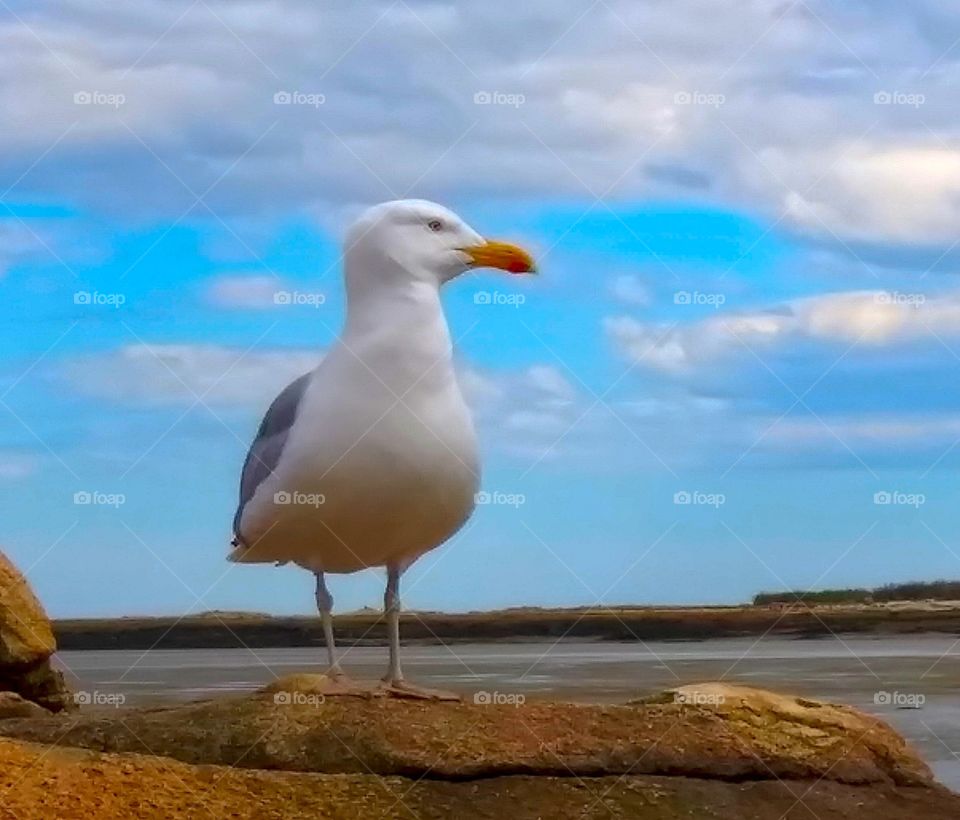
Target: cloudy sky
737,372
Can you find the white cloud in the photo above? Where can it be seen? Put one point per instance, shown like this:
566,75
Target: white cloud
869,318
244,292
890,431
894,193
180,373
630,290
769,107
550,383
16,465
27,240
525,412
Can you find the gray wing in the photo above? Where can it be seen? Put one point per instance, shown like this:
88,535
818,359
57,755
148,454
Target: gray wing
268,445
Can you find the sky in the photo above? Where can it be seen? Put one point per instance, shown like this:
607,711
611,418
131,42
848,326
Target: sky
738,368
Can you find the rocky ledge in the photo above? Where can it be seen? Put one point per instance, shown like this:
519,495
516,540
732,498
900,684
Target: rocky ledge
26,644
304,748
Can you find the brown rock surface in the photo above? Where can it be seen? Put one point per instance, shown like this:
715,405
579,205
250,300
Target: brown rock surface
800,733
37,783
26,644
306,749
752,735
14,706
25,634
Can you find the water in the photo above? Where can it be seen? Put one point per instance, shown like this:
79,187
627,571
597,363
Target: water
885,676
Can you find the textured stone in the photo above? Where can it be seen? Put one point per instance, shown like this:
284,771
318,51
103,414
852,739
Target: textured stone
25,634
38,783
752,735
433,760
14,706
26,644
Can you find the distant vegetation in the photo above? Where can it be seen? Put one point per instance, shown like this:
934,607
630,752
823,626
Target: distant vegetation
824,596
910,591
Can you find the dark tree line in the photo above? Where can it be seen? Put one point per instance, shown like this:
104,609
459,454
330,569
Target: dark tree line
941,590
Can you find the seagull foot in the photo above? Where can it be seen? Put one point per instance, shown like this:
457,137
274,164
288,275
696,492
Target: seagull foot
400,688
336,673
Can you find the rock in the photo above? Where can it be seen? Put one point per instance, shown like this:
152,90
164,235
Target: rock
26,644
14,706
25,634
38,783
710,751
750,735
800,733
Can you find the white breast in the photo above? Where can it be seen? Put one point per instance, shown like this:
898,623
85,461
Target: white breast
381,464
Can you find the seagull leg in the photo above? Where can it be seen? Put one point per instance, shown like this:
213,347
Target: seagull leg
391,608
325,605
394,682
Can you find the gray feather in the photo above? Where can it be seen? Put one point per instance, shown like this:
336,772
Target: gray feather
267,447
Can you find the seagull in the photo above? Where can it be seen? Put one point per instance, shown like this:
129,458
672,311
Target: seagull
371,459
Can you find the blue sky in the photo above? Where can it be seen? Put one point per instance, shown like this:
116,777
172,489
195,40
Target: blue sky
748,297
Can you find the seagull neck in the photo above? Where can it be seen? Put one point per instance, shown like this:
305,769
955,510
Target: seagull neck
405,312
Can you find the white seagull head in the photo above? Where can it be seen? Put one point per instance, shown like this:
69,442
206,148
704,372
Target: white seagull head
423,240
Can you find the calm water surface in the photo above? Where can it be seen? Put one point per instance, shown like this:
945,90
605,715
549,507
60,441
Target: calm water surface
880,675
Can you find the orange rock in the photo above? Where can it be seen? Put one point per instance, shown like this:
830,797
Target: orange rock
26,644
25,633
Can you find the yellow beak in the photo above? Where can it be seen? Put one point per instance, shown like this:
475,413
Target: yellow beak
501,255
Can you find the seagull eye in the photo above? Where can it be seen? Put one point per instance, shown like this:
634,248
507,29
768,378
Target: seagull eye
435,225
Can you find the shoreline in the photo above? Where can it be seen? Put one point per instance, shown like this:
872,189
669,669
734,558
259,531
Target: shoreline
223,630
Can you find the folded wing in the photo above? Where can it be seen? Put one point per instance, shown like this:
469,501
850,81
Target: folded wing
264,453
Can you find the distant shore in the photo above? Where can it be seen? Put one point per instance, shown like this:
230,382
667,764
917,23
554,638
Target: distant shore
218,630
